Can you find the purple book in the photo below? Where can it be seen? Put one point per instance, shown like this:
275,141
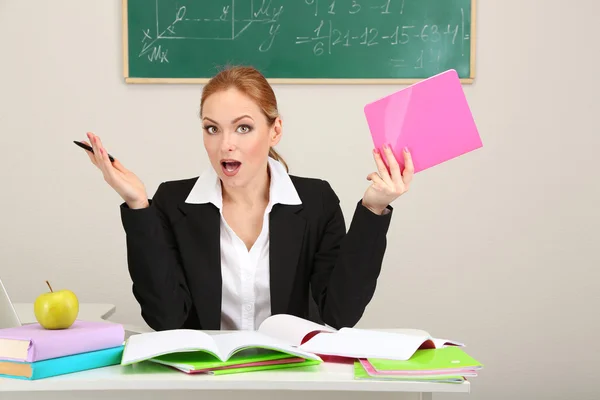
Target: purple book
30,343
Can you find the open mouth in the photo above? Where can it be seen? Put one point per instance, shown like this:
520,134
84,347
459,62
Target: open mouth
230,167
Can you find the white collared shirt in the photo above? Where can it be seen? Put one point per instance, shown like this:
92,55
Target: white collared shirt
246,296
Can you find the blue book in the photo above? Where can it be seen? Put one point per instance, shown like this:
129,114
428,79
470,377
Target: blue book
61,365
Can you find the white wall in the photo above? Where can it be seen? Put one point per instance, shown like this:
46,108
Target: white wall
498,248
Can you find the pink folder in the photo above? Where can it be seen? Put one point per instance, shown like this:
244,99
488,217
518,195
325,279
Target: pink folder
431,118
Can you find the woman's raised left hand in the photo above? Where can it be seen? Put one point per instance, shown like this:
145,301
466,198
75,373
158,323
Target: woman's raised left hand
387,185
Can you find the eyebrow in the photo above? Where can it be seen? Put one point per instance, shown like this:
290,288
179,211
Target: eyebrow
233,122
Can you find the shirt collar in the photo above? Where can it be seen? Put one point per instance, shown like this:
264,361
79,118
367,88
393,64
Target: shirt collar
207,188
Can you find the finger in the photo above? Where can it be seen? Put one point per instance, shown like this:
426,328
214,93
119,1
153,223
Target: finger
94,143
409,168
105,161
90,154
97,146
116,163
378,183
118,166
383,171
393,164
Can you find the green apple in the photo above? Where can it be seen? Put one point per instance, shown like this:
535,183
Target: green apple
56,310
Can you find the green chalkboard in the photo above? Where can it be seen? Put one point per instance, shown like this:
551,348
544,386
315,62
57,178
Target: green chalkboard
299,41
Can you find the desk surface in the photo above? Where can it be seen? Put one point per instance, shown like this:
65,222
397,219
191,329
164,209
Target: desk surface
150,376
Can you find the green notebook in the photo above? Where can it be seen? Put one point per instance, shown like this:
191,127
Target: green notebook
360,373
242,361
192,350
450,357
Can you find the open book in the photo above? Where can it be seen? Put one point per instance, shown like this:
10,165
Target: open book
281,340
197,351
353,343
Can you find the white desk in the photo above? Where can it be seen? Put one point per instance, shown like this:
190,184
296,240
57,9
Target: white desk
147,377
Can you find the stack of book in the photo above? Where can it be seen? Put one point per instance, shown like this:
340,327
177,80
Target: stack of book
444,365
404,355
32,352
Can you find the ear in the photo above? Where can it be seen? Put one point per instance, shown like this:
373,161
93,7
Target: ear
276,132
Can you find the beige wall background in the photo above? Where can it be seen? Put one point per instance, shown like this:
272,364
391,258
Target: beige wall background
498,248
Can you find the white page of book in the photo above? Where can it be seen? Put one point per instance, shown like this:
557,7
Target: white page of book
151,344
290,329
443,342
438,343
359,343
229,343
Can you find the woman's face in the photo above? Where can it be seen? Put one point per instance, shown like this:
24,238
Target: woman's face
237,137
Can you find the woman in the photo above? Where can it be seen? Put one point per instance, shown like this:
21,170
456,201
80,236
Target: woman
245,240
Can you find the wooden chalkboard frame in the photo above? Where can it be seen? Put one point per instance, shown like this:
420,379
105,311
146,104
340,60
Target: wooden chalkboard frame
317,81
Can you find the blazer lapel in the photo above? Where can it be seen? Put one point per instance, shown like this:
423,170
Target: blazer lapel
286,230
201,252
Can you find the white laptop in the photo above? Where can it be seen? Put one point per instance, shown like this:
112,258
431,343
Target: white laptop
8,314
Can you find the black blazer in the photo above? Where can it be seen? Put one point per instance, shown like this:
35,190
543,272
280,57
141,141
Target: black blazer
173,254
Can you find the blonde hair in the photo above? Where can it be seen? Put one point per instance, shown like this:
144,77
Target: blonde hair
253,84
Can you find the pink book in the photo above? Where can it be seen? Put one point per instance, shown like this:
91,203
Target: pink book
31,342
431,118
249,364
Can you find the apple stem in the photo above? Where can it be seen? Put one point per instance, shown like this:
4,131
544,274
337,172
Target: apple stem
48,283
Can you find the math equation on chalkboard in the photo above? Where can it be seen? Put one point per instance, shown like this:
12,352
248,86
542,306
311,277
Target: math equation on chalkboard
356,38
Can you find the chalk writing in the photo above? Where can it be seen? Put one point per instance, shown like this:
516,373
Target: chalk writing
263,12
318,29
371,35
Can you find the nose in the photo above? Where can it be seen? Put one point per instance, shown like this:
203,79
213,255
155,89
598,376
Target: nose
228,143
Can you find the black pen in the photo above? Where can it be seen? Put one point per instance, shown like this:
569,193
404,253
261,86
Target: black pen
85,146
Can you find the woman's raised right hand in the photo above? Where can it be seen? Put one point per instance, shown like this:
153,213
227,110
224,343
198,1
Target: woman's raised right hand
124,182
